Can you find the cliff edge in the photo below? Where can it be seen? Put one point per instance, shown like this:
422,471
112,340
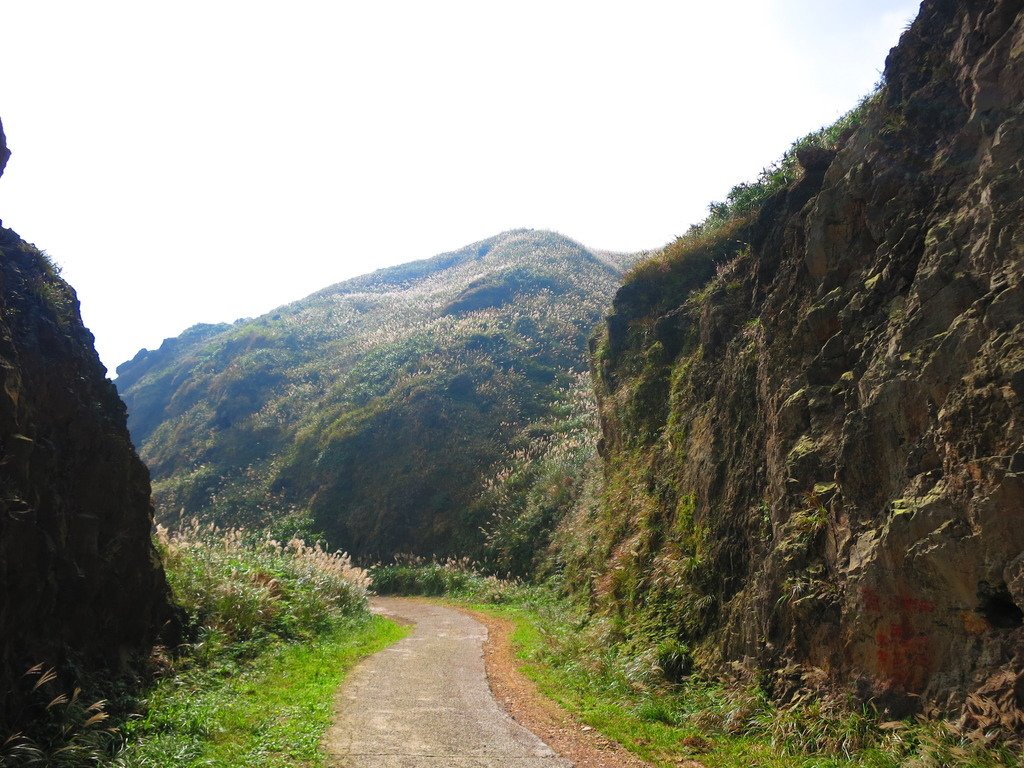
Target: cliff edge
79,578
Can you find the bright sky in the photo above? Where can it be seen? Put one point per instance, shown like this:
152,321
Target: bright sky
204,160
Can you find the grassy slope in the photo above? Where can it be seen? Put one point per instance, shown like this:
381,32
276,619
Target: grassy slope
407,384
272,713
725,729
625,691
643,722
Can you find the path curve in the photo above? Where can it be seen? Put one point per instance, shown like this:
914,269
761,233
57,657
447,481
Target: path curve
425,702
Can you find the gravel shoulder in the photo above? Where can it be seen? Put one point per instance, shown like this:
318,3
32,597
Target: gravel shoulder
520,697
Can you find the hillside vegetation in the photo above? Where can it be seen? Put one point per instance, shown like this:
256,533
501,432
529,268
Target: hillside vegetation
375,410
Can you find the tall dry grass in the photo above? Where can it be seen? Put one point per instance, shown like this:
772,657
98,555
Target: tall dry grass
239,594
237,587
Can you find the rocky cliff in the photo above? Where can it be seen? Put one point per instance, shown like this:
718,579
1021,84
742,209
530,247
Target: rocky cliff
813,417
79,578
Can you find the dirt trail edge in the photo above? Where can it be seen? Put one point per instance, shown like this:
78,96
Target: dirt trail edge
584,746
425,702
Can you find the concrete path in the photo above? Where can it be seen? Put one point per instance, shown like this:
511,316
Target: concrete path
425,703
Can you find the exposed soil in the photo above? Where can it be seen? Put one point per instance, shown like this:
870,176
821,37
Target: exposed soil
520,697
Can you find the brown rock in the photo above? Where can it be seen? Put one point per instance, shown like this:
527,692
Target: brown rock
852,454
815,158
79,578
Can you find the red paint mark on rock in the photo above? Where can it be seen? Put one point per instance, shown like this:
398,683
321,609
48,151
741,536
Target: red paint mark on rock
903,650
869,597
904,656
916,605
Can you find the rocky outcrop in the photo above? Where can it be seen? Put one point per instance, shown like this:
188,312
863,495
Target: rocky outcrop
814,423
79,578
5,153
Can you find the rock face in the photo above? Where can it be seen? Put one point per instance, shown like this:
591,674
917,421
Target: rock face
5,153
814,423
79,578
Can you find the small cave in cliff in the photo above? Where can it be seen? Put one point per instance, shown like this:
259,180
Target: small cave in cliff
997,606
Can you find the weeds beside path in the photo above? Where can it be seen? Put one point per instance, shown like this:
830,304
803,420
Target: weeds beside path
270,714
521,698
696,724
273,630
635,689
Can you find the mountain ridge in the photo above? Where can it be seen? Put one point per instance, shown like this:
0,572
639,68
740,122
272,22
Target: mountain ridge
486,334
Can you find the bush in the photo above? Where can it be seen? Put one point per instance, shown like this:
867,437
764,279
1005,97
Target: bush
412,575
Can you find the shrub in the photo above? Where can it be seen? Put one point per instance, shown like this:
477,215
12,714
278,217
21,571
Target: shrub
412,575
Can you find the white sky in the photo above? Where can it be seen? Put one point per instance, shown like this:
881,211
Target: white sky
200,161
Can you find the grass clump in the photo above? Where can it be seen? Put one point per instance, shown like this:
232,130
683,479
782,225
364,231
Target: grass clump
272,629
241,591
57,727
721,235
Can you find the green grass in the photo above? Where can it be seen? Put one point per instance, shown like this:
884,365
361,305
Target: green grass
613,693
641,723
268,712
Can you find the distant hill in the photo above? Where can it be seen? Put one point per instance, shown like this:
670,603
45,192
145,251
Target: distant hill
374,409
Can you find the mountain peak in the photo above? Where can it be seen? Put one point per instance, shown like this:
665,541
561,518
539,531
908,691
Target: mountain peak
377,403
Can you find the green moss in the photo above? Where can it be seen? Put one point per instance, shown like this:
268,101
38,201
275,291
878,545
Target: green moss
797,396
803,447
